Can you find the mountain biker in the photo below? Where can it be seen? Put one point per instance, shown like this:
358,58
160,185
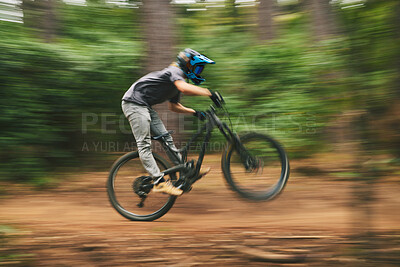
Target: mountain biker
158,87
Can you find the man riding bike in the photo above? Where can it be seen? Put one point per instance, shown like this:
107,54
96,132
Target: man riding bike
158,87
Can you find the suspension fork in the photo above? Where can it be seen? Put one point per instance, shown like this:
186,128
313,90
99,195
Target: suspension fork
249,161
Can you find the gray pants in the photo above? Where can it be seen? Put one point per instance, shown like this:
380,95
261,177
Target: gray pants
144,121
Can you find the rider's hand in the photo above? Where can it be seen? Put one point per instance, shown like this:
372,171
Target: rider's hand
201,115
216,98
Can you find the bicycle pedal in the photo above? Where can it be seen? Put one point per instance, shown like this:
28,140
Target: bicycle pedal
189,189
185,186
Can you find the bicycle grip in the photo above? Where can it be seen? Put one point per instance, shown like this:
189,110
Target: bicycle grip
217,98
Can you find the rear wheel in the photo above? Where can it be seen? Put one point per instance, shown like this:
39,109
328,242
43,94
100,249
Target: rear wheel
257,168
128,182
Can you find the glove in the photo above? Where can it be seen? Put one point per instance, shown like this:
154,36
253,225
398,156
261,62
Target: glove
216,98
201,115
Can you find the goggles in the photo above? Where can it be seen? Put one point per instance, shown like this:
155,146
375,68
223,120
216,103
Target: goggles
198,69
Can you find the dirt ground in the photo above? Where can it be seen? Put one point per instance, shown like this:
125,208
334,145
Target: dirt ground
314,222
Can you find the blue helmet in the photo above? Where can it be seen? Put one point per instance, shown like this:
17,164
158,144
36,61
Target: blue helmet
192,63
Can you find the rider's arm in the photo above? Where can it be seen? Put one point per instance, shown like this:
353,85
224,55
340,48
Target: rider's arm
190,89
179,108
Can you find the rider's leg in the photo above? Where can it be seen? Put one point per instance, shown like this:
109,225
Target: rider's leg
157,128
139,119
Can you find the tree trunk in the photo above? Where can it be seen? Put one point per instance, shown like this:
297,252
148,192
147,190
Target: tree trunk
396,104
323,21
231,13
159,34
40,15
50,21
266,27
397,37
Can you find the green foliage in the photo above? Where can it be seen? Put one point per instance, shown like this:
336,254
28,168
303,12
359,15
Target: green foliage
289,88
293,86
47,87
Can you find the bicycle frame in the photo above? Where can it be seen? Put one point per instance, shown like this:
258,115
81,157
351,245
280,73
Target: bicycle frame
212,122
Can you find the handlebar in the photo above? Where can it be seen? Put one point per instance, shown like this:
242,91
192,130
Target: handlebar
217,98
219,103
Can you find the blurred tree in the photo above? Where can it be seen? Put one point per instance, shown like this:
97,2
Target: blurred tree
232,13
231,8
397,37
396,123
266,27
40,15
323,20
290,83
159,36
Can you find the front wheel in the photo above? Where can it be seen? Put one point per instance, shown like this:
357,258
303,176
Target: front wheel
255,166
128,181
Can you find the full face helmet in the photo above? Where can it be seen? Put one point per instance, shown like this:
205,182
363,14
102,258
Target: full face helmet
192,63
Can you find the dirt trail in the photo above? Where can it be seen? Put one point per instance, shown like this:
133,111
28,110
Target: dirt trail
74,224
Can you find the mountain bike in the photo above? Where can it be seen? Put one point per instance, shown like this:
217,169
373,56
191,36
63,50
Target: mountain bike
254,165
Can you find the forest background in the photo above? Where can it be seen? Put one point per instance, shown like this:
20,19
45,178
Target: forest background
318,75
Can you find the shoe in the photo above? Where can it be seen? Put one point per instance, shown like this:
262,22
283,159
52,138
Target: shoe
168,188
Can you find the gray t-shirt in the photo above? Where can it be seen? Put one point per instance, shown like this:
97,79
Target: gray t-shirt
156,87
